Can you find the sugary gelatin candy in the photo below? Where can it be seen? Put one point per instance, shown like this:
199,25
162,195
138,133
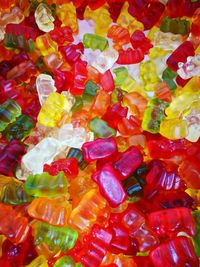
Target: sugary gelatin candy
99,133
100,148
45,44
97,243
22,72
85,214
73,137
52,109
190,68
109,184
101,17
115,114
121,74
52,211
174,128
12,225
94,42
176,26
67,261
19,129
44,185
69,166
105,60
19,254
9,111
154,115
134,221
130,56
148,74
119,35
178,251
44,18
128,21
100,103
35,158
10,156
5,5
67,15
181,54
45,86
189,172
62,238
160,178
14,193
62,35
166,40
40,261
128,162
167,222
100,128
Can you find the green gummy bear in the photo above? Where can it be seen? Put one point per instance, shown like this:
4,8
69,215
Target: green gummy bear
101,128
95,42
9,111
121,74
45,185
176,25
62,238
12,41
153,115
90,91
13,193
168,75
19,129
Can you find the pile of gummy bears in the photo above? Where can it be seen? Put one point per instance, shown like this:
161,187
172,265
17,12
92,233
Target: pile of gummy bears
99,133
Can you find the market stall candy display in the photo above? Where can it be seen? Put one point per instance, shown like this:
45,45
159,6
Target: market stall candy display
99,133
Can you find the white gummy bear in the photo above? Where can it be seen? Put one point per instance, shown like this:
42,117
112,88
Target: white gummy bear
44,18
45,86
44,152
73,137
106,60
190,68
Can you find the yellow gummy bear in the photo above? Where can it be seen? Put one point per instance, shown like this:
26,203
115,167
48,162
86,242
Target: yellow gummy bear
193,119
180,104
67,14
127,21
148,75
40,261
152,31
165,40
192,86
157,52
101,17
46,45
130,85
52,110
174,129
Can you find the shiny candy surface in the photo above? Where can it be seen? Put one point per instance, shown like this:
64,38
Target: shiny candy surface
46,185
99,133
63,238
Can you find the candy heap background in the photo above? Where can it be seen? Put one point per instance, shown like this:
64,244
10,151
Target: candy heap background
100,126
